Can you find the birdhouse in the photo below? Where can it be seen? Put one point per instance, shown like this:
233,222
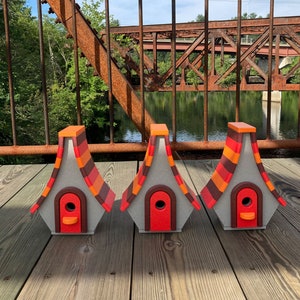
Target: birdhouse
240,190
158,199
76,196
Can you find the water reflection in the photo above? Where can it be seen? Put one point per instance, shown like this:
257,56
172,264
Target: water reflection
221,110
275,118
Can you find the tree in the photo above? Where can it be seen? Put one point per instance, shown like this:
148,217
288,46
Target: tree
200,18
59,60
25,73
62,105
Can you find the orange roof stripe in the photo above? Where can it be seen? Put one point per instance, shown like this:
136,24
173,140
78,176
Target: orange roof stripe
97,185
57,163
231,155
46,191
270,185
148,161
83,159
257,158
241,127
184,188
219,182
171,161
71,131
159,129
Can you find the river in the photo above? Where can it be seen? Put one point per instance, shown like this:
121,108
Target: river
221,110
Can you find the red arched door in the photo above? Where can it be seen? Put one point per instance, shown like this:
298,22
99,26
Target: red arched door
246,206
70,211
160,209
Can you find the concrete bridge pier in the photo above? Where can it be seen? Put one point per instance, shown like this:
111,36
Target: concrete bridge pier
275,96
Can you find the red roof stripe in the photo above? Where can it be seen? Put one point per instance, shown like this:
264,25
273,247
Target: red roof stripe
80,150
281,201
142,180
255,147
168,150
179,180
207,197
34,208
51,182
233,145
60,152
224,173
94,175
151,150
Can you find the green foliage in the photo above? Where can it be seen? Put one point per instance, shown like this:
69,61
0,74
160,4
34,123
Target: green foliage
295,78
200,18
92,94
25,74
192,78
60,70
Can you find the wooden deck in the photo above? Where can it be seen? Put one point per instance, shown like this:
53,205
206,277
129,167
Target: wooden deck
202,262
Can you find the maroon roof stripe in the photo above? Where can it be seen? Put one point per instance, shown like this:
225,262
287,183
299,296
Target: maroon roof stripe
227,164
146,170
234,135
80,139
253,137
213,189
260,168
174,170
55,172
103,193
87,169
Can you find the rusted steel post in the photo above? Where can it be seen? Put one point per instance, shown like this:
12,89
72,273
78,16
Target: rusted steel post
213,56
109,79
43,72
76,61
205,106
298,132
173,52
277,48
271,23
142,90
222,51
238,62
9,70
154,35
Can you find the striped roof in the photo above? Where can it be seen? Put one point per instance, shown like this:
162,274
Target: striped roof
134,188
223,173
97,186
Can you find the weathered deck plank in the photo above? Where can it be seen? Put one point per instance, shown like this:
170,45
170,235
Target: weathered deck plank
201,262
266,262
186,265
13,178
285,174
91,267
22,238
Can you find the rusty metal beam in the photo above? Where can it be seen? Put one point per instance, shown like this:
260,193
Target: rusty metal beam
164,45
96,53
142,147
249,26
